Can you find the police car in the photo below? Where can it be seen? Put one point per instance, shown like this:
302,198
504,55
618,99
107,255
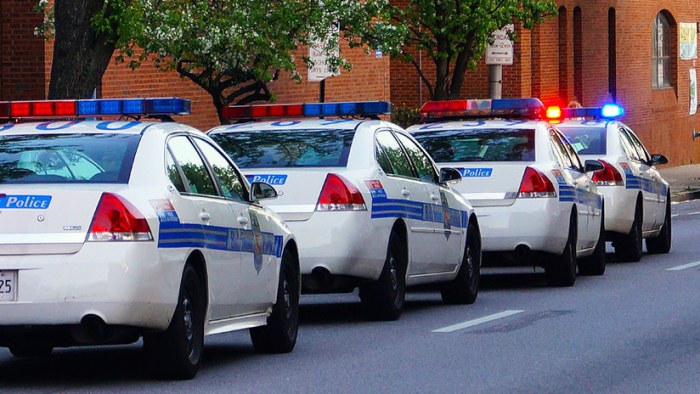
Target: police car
535,201
369,207
637,198
115,230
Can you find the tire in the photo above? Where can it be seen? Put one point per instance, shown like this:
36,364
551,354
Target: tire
661,244
176,353
595,263
629,247
465,287
31,350
561,270
280,333
383,299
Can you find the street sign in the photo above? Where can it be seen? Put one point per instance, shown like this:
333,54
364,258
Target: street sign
318,54
501,51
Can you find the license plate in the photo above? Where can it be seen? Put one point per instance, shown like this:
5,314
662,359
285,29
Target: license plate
8,285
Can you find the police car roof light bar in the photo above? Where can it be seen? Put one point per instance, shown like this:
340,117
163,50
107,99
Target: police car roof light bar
362,109
98,107
608,111
524,107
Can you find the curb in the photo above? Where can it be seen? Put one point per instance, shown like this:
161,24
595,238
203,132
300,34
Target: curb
680,197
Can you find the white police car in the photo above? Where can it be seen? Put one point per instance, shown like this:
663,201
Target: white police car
113,230
527,184
367,204
637,198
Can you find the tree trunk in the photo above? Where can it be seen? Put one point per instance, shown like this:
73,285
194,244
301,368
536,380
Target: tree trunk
80,56
442,68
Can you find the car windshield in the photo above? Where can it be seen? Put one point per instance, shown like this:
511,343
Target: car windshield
287,148
67,158
586,140
451,146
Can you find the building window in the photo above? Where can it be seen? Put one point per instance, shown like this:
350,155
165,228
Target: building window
612,55
563,56
578,55
661,52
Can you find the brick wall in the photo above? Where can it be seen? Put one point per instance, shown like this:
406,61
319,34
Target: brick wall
21,53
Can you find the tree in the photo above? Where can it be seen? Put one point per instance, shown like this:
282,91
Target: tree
234,48
454,33
86,33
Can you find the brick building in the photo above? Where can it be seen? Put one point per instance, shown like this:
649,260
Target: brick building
597,51
594,51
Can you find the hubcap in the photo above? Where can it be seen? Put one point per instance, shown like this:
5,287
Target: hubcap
393,274
287,298
470,262
189,320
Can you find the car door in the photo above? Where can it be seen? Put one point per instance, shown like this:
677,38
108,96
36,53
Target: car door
588,194
571,185
448,237
654,187
215,222
410,199
256,280
642,177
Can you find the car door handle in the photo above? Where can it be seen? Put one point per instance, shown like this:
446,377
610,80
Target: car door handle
405,192
205,216
242,220
434,197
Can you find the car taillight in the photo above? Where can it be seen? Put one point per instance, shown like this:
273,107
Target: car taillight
610,176
338,194
117,220
535,185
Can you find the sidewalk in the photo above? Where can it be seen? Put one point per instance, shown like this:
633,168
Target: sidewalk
684,181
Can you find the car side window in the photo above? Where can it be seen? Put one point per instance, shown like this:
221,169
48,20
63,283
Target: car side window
397,157
421,161
174,173
226,174
559,150
193,168
573,156
628,146
641,150
383,160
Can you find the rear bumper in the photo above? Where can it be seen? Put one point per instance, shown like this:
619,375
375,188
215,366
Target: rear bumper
344,243
121,283
536,223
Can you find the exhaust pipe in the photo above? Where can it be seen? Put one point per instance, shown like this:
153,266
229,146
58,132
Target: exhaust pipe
92,329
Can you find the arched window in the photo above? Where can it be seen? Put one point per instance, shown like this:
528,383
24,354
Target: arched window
662,52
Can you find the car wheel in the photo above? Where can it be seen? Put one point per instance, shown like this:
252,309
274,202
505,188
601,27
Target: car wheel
662,243
629,247
595,263
465,287
561,270
280,333
177,352
383,299
31,350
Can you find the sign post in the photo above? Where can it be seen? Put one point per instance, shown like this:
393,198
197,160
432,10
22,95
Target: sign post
318,54
499,53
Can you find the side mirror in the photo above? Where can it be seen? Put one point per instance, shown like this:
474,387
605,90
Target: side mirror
657,159
450,175
594,166
262,191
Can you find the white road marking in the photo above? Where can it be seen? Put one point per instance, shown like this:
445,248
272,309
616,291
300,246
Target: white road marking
472,323
685,214
684,266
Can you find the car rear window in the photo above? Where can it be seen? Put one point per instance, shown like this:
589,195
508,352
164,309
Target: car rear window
586,140
67,158
451,146
287,148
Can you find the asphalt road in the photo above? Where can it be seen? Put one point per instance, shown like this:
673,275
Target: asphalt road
634,330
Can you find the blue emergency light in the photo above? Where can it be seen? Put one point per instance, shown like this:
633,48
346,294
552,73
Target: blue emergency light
96,107
522,107
359,109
